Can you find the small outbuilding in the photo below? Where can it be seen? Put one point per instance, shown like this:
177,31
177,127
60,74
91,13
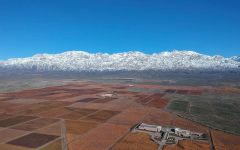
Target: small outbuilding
182,133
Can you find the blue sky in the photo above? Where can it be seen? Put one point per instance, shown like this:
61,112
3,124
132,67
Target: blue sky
28,27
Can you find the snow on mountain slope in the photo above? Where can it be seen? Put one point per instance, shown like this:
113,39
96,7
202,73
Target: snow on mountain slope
133,60
236,58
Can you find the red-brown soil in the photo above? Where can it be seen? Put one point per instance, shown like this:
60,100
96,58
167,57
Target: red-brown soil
56,145
154,100
158,103
144,99
35,124
72,116
127,92
141,96
13,147
42,107
100,138
136,141
130,116
119,87
99,123
101,116
53,93
103,100
83,105
118,104
185,92
79,127
33,140
158,116
55,112
14,110
6,98
8,134
87,100
82,111
4,116
195,92
188,145
15,120
224,141
53,129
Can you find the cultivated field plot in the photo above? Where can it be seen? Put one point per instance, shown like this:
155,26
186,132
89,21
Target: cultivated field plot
135,141
217,110
188,145
145,90
55,112
15,120
53,93
23,84
35,124
56,145
100,138
87,100
130,116
158,103
33,140
4,116
29,133
223,141
76,115
105,100
8,134
101,116
79,127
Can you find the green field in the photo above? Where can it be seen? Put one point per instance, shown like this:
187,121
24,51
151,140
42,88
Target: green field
219,111
179,106
25,84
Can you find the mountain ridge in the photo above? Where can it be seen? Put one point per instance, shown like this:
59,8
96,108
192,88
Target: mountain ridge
236,58
132,60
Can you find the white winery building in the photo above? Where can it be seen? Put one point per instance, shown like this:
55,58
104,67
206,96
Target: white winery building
151,128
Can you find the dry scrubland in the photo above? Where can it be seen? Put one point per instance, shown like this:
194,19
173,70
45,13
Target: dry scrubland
76,112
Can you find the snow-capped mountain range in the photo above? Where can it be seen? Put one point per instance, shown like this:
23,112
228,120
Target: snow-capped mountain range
133,60
236,58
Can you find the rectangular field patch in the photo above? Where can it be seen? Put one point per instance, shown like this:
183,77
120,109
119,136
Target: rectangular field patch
33,140
101,116
15,120
79,127
35,124
86,100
